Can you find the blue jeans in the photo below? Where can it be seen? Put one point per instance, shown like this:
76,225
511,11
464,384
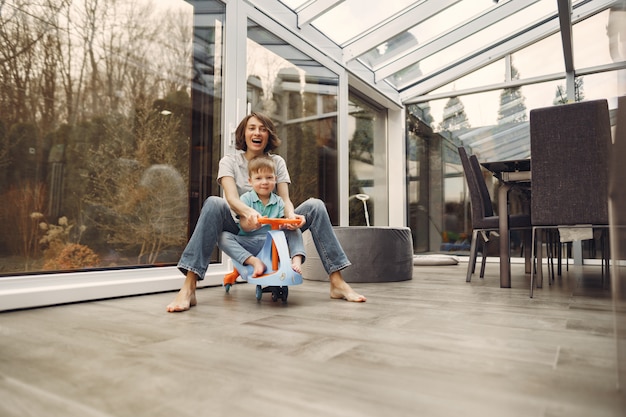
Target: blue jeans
216,218
318,222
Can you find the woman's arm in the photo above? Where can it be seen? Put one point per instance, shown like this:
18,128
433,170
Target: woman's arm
248,217
282,189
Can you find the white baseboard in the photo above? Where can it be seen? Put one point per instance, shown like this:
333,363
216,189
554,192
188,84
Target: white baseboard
50,289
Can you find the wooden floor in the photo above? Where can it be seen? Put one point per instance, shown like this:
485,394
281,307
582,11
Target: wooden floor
432,346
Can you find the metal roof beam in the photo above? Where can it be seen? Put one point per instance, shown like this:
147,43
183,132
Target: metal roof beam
565,19
401,22
313,10
463,31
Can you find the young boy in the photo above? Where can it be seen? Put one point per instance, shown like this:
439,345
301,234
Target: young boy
244,246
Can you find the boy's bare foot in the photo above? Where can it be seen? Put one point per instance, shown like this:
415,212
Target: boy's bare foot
296,263
186,297
341,290
258,267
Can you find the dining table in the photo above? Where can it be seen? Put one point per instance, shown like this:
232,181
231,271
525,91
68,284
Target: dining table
510,173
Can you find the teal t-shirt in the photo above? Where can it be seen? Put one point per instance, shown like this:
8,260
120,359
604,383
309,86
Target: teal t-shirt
275,208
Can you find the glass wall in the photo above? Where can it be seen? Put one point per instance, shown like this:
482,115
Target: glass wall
367,138
300,96
97,130
494,125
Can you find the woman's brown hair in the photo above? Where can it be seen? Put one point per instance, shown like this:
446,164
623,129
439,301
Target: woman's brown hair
240,134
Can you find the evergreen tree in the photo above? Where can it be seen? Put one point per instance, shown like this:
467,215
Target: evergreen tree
560,96
454,117
512,103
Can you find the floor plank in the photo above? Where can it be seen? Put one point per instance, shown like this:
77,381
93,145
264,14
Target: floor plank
431,346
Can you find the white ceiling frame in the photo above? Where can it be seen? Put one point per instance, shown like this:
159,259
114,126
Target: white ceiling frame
282,22
315,44
454,35
465,66
615,66
313,10
395,25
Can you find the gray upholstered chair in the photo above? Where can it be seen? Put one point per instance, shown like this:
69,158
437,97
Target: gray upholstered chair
484,221
569,150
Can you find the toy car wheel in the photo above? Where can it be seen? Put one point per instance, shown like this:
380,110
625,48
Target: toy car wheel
227,287
259,292
275,292
284,294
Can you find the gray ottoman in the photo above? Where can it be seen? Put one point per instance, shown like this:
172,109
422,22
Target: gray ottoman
378,254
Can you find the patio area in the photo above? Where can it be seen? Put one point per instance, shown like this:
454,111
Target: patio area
431,346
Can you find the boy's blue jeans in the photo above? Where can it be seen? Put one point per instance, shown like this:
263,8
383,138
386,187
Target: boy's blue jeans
241,248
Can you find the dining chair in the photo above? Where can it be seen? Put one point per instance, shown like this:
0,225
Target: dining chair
569,152
484,221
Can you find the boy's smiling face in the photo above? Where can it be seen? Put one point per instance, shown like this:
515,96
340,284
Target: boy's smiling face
263,182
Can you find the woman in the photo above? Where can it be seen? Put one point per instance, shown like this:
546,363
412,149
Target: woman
255,136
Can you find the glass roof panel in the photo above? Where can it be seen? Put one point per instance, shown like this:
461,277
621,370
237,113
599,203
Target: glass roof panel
350,18
268,40
416,54
601,85
426,31
595,50
542,58
467,46
494,72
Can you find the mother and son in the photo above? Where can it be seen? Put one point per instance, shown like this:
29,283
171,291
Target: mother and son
247,198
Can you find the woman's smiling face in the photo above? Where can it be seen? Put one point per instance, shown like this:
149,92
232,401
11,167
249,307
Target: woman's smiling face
257,136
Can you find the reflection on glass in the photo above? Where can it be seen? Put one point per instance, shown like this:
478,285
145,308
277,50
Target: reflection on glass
539,58
465,47
95,122
592,38
425,31
368,200
494,72
605,85
387,51
493,125
455,233
417,177
333,22
301,97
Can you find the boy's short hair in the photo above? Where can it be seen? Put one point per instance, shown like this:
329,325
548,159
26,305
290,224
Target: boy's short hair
261,163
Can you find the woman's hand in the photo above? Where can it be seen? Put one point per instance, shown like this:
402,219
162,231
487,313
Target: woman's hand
283,192
249,220
294,226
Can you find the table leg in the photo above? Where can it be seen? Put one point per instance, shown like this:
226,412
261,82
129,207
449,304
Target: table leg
505,244
528,241
539,280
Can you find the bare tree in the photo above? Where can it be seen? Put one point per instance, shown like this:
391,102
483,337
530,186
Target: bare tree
71,72
140,194
177,40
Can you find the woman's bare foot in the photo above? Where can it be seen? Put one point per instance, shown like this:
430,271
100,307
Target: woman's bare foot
296,263
341,290
186,297
258,267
